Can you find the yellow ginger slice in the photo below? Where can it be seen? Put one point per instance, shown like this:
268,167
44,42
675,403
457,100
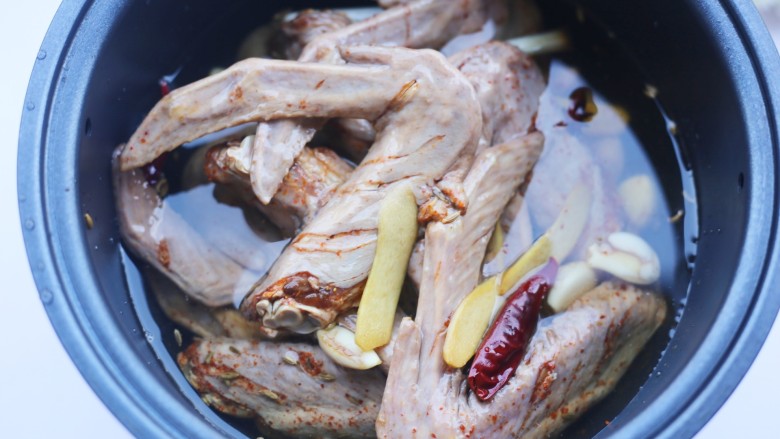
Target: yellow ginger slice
469,323
396,234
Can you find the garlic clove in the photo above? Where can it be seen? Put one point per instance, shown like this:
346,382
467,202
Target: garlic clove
339,344
638,198
574,279
568,227
626,256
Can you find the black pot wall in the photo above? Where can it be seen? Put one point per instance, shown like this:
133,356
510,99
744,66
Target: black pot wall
711,61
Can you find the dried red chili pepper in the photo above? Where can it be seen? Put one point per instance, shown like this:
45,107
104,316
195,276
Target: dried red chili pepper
506,341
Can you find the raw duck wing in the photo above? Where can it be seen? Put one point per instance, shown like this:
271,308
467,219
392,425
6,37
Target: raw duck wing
573,361
433,116
310,182
291,388
417,24
161,237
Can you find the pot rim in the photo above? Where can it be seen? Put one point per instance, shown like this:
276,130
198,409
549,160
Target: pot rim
123,383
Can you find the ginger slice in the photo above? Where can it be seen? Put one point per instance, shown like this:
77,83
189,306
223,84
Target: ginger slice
396,234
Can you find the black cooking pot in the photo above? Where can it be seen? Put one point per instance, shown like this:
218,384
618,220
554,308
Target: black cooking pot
96,76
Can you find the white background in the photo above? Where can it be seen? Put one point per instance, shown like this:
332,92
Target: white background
43,394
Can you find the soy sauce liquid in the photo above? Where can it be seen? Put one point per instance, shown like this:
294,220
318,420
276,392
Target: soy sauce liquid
627,134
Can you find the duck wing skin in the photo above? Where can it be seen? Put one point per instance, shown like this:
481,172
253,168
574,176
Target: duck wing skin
161,237
508,84
433,116
261,89
309,183
201,320
574,358
573,361
518,157
452,261
454,252
417,24
266,89
307,25
292,388
212,269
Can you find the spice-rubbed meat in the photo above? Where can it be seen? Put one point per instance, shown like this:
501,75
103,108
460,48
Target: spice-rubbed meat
430,116
351,137
199,319
262,90
454,252
161,237
574,359
214,271
316,173
292,388
418,24
293,35
508,84
390,3
389,86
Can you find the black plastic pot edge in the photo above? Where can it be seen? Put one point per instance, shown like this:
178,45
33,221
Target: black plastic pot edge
697,408
54,284
130,405
763,309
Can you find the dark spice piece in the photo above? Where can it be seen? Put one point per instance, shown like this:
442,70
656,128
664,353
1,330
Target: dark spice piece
309,364
582,108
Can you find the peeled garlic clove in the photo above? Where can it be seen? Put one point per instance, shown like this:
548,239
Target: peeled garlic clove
468,323
339,344
568,227
573,280
542,43
638,198
626,256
